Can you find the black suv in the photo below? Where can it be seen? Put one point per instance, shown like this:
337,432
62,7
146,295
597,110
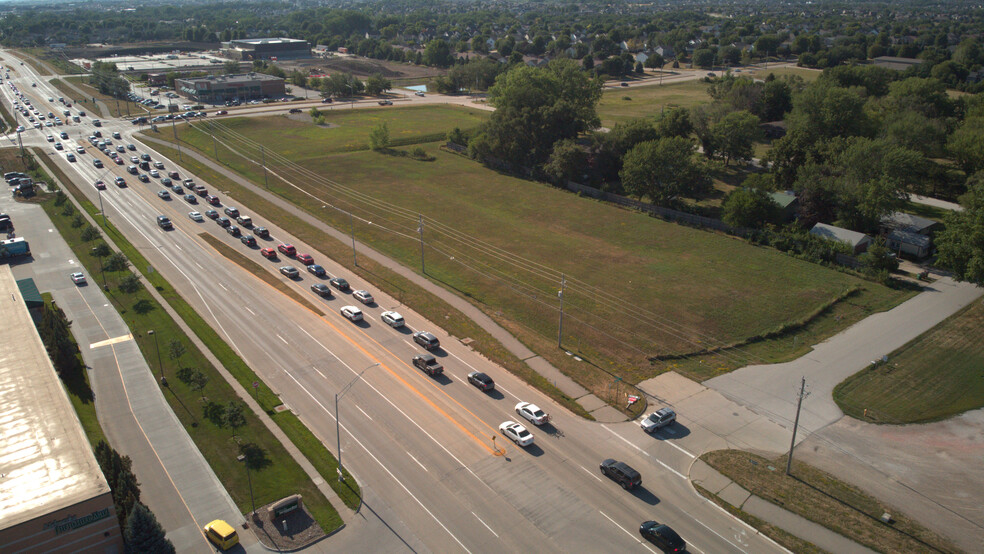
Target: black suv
621,473
662,536
163,222
481,380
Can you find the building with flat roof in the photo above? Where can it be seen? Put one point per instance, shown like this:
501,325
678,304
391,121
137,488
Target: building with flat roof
220,88
267,49
53,496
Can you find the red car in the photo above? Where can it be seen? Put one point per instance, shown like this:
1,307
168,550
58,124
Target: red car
269,253
221,112
100,185
212,199
118,160
305,259
287,249
172,174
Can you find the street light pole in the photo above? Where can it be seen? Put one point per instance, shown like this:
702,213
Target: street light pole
338,434
560,294
355,258
160,364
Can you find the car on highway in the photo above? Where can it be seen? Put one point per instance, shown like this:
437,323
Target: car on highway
248,240
427,340
177,189
221,112
363,296
143,178
657,420
428,364
134,159
166,182
131,147
385,103
287,249
482,381
158,165
261,232
516,433
164,194
233,230
665,538
268,253
419,93
393,319
58,146
120,148
316,270
100,185
339,283
118,160
155,174
621,473
190,198
173,175
50,138
211,214
132,169
70,157
294,110
78,278
222,221
97,163
194,216
80,149
532,413
116,135
351,313
305,259
321,289
120,182
164,222
145,157
291,272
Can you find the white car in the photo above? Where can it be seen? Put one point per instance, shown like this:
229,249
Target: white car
532,413
351,313
363,296
516,432
78,278
658,419
393,319
195,216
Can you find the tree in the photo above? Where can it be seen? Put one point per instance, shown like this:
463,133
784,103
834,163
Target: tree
231,67
90,233
379,137
198,382
746,207
703,58
917,132
777,98
767,44
143,533
117,262
734,135
235,416
122,482
568,162
674,123
438,53
130,284
966,145
377,84
961,242
176,349
878,261
662,170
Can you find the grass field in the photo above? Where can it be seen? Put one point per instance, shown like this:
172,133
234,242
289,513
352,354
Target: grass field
937,375
696,288
625,104
808,75
923,210
824,499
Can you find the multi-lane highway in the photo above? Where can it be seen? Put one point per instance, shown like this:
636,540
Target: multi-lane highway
437,474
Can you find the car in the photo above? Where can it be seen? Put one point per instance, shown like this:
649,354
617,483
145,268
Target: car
287,249
419,93
393,319
233,230
116,135
268,253
221,534
164,194
132,169
97,163
194,216
163,222
120,148
321,289
78,278
657,420
177,189
326,100
222,221
188,183
305,259
191,199
351,313
145,157
339,283
58,146
118,160
166,182
221,112
261,232
20,129
143,178
120,182
70,157
532,413
427,340
621,473
516,433
291,272
80,149
158,165
50,138
155,174
173,175
131,146
134,159
211,214
623,84
100,185
294,110
203,192
248,240
363,296
316,270
662,536
210,198
428,364
481,380
385,103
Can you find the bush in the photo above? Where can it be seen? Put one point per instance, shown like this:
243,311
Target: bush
60,198
78,221
130,284
68,210
90,233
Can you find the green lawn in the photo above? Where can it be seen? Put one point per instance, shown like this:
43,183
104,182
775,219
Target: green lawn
625,104
936,376
701,284
929,212
808,75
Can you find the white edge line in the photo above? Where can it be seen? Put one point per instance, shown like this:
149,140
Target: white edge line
626,531
591,474
486,525
363,412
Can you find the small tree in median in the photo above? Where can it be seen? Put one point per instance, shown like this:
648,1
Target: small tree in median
235,416
117,262
379,137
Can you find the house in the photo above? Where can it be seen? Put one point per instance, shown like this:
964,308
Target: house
665,51
641,57
859,242
901,221
907,242
788,204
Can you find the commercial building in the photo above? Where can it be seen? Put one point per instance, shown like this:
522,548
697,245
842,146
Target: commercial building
53,496
267,49
220,88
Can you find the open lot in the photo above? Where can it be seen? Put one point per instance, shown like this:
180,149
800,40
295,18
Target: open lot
636,286
936,376
619,105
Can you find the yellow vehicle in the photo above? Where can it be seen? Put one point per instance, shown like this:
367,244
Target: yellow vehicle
221,534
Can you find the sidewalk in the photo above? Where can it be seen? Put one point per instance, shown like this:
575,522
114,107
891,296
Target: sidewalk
726,489
590,402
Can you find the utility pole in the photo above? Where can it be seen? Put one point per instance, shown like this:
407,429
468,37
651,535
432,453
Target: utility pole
560,294
420,231
355,259
263,161
176,141
792,443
